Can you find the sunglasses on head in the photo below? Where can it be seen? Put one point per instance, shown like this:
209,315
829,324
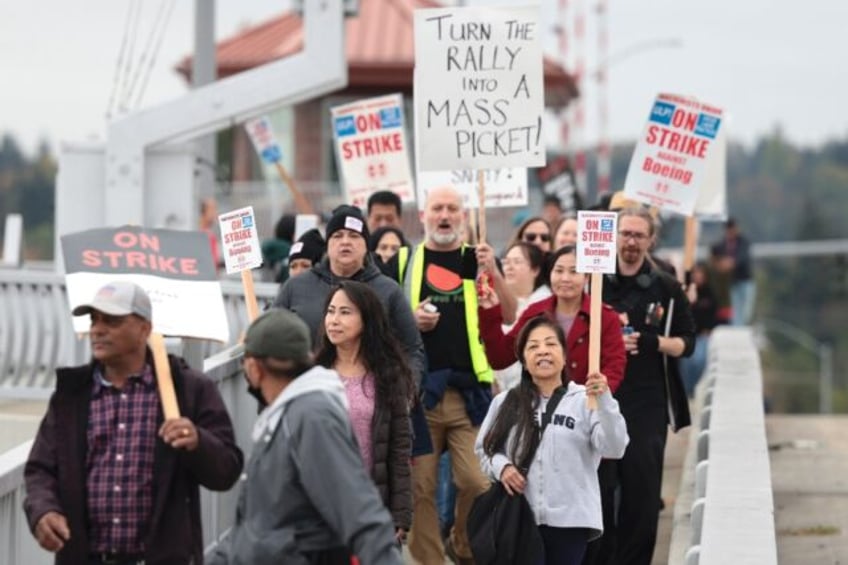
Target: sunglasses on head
531,237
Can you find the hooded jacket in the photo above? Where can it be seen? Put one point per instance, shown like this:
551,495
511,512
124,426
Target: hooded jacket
562,482
306,294
306,490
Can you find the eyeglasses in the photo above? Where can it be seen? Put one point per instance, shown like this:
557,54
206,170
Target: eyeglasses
531,237
635,235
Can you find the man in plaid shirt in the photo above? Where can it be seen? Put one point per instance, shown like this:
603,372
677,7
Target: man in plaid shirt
107,480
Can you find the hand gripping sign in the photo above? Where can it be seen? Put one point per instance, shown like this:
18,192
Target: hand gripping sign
596,254
176,270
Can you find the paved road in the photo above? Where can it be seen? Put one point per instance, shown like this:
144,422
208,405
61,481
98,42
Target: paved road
809,472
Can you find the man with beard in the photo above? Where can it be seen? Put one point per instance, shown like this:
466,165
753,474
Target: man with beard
439,281
653,305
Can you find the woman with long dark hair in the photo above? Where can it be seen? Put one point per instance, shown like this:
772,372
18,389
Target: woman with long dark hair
561,482
356,341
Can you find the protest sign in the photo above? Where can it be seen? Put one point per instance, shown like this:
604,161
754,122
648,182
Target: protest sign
241,242
262,136
372,149
174,267
504,187
557,178
596,241
596,254
479,92
669,162
712,196
303,223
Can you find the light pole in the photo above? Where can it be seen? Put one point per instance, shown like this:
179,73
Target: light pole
604,151
821,349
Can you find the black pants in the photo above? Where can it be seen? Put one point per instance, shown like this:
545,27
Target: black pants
340,556
564,546
602,550
639,475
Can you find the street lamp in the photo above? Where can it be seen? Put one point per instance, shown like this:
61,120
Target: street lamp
604,152
823,350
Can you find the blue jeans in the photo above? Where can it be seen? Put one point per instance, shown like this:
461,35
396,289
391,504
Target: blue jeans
743,294
445,493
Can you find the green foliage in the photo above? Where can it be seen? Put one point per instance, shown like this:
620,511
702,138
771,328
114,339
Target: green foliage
27,188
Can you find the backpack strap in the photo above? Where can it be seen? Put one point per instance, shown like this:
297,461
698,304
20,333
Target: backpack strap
553,402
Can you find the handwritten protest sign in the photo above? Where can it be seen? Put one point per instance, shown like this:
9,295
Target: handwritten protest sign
372,149
479,96
241,242
174,267
596,241
504,187
669,163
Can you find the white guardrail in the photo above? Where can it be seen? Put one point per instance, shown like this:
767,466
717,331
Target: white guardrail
724,511
36,334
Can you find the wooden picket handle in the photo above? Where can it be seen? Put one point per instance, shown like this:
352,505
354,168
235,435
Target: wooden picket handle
595,332
249,295
301,204
164,380
690,244
481,210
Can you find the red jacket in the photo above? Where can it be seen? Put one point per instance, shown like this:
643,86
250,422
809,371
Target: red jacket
500,348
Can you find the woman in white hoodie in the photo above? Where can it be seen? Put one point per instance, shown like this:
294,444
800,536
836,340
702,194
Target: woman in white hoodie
561,483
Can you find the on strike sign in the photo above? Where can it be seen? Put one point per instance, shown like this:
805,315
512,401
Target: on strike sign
372,148
669,162
596,242
241,242
479,92
262,136
174,267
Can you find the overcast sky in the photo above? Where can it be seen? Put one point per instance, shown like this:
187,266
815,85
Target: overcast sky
767,62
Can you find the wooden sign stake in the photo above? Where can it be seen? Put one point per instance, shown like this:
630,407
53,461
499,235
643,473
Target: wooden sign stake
481,196
249,295
595,332
301,204
164,380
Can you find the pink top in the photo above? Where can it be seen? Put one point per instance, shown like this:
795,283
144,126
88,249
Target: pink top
361,398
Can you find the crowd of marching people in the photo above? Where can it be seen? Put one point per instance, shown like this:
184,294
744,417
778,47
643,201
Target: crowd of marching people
400,386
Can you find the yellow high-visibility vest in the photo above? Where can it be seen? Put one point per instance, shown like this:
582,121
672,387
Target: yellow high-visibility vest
412,282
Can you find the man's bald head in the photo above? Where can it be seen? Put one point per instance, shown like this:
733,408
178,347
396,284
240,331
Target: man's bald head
443,218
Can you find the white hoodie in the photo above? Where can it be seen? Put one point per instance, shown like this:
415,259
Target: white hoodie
562,483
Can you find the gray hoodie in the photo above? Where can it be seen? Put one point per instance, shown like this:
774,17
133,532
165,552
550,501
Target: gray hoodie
306,489
306,294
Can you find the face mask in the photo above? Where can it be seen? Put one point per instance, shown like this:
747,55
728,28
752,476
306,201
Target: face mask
256,393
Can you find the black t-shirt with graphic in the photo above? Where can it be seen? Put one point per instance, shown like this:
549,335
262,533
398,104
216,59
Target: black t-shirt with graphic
447,343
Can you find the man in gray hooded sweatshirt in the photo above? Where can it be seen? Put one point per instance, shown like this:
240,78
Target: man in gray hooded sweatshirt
307,498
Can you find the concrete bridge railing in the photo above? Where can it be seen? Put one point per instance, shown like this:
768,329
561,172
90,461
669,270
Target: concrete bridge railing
725,510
